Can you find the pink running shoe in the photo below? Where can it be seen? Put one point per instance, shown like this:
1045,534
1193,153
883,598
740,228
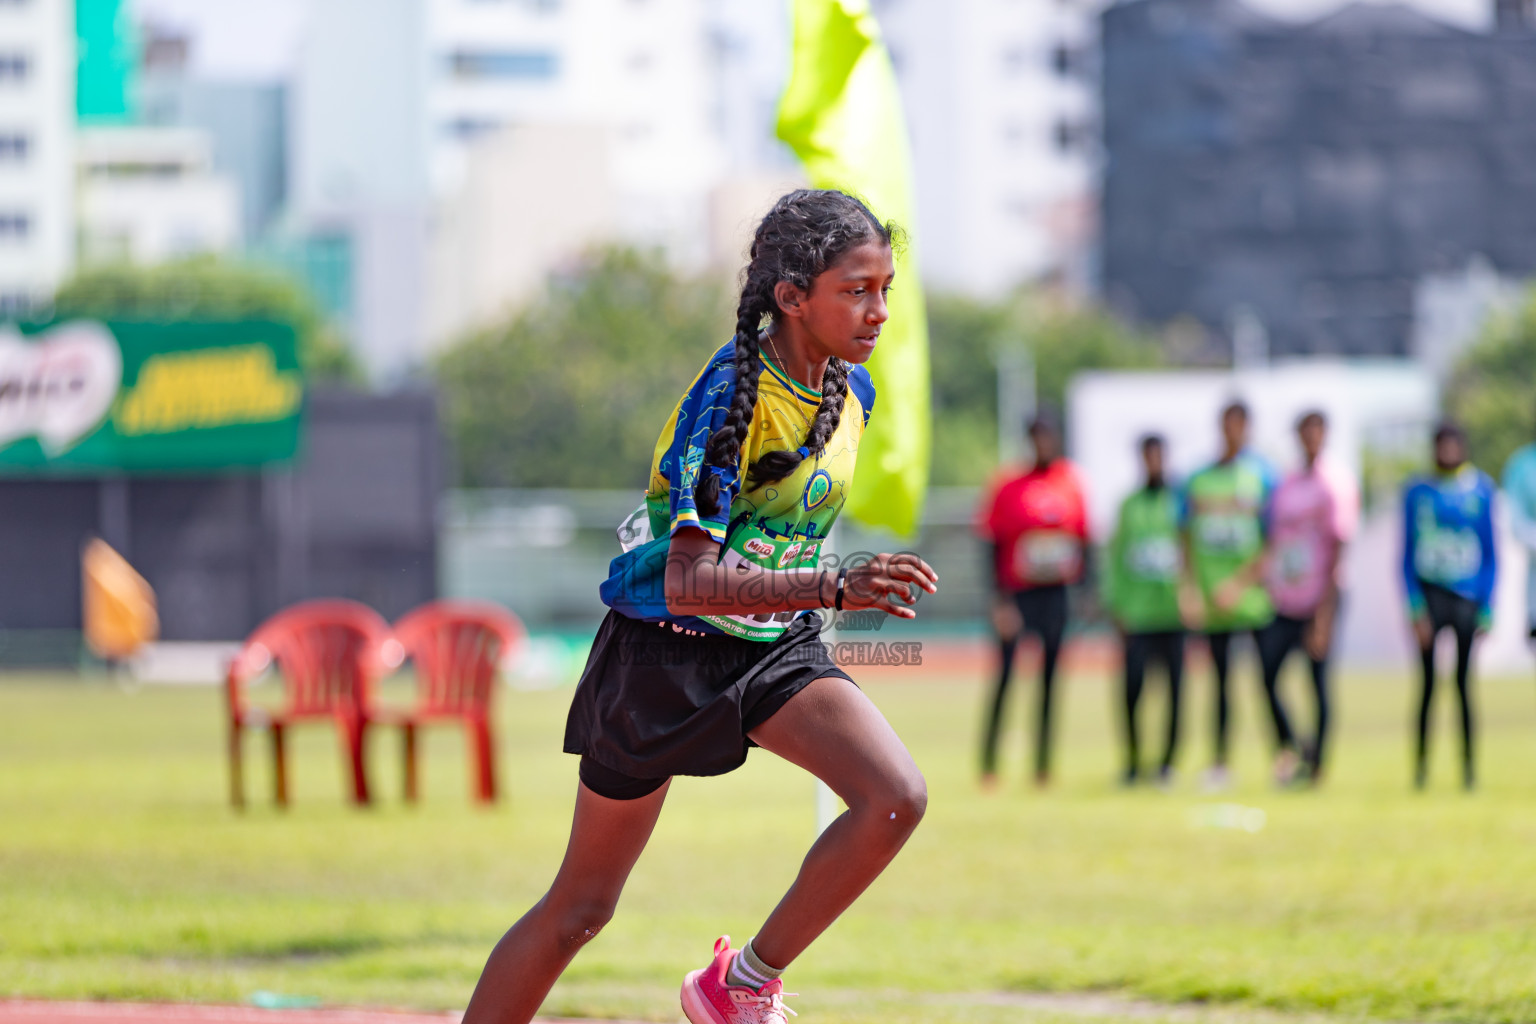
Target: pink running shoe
707,999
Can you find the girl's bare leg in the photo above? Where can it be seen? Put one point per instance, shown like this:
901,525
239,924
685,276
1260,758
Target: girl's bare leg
606,839
835,732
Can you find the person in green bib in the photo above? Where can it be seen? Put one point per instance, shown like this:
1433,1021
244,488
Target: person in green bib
1225,510
1141,591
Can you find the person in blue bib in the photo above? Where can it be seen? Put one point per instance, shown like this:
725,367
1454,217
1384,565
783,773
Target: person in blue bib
1449,568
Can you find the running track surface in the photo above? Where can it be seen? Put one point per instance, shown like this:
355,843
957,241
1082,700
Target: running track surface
27,1012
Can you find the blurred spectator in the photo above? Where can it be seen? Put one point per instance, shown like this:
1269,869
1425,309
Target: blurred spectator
1141,591
1036,525
1449,567
1312,516
1225,509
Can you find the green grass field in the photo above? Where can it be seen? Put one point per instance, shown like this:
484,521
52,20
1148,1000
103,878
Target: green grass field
123,874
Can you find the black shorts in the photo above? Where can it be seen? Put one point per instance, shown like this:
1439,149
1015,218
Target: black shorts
653,702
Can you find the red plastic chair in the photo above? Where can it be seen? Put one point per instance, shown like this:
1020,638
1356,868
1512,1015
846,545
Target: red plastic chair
457,647
329,655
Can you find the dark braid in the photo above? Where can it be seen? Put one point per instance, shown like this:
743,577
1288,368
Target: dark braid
806,232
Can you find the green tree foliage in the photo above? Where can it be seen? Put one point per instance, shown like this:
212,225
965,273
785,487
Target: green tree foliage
207,288
1492,391
966,337
573,391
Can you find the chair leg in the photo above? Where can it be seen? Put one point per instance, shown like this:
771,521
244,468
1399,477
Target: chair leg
279,766
484,748
236,765
356,735
408,741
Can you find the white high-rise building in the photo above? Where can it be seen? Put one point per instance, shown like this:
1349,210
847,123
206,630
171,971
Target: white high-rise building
37,120
394,98
1001,105
1000,98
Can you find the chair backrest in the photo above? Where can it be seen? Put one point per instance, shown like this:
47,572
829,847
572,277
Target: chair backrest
329,653
457,647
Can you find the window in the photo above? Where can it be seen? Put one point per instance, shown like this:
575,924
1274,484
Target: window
1069,61
1072,136
15,225
468,128
14,67
533,64
14,147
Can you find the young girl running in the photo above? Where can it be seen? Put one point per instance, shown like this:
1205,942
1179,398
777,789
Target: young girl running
703,654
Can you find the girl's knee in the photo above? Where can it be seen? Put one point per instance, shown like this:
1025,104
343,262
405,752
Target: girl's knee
577,922
901,800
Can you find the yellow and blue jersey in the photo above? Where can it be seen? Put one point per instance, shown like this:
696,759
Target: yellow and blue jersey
777,526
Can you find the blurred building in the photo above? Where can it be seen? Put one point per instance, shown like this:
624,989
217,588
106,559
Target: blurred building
1001,105
245,123
395,101
37,123
1289,186
147,195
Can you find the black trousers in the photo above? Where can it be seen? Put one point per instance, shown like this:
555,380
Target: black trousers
1044,610
1141,649
1447,610
1221,661
1276,641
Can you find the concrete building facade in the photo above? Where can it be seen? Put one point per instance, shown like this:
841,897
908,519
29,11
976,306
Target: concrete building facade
37,128
1293,184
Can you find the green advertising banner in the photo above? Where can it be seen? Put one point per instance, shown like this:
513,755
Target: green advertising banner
82,395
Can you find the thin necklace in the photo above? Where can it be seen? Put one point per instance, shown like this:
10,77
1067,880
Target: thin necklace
778,360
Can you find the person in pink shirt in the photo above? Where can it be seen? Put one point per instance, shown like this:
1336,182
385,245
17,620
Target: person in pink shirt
1312,515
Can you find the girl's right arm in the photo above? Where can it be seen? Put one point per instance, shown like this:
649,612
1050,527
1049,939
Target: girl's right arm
697,584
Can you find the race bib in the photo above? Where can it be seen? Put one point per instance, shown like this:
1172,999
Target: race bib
1047,557
1156,558
1294,561
1225,533
1446,556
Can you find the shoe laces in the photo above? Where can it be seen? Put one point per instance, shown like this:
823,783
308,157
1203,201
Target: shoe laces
775,1008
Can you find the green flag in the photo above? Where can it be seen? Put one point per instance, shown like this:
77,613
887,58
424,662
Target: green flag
841,113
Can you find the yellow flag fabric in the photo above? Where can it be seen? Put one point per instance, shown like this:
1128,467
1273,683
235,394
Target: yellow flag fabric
119,606
841,113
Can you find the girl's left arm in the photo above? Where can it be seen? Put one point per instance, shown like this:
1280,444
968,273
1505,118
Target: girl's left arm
698,584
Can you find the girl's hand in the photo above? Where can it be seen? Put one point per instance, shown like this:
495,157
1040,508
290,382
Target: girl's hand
887,582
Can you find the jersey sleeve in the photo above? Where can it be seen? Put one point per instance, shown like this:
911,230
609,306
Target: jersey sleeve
1111,581
1488,569
700,413
863,388
1411,587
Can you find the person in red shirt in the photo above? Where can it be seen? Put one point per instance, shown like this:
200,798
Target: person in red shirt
1036,525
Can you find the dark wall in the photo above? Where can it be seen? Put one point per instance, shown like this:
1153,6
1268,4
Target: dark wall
354,516
1311,173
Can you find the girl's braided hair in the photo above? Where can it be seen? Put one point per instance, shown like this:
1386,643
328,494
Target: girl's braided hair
806,232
